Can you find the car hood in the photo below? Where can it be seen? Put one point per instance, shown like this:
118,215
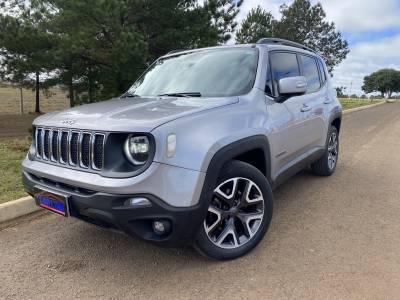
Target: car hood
130,114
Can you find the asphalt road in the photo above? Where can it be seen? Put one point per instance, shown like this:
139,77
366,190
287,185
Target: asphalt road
336,237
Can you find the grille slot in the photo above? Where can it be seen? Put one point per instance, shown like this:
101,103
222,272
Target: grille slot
75,148
39,145
54,146
64,147
98,151
46,144
85,150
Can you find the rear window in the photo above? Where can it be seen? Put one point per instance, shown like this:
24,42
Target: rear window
310,71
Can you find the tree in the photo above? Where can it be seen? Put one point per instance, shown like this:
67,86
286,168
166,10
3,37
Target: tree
303,23
258,24
340,91
222,14
385,81
184,24
98,45
105,45
99,48
25,50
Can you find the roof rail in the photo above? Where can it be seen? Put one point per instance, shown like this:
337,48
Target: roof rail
175,51
271,41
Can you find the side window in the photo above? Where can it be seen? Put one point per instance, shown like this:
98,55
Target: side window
310,71
283,64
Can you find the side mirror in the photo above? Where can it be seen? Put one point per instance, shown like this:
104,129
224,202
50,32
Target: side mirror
292,86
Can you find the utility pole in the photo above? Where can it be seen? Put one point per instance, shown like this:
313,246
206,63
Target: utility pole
21,101
351,87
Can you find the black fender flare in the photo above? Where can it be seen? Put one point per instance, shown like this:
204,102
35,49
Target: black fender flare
335,115
230,151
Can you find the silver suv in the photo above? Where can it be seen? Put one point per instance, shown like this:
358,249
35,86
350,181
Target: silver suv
191,153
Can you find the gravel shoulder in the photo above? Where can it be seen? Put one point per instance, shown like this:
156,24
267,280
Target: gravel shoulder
335,237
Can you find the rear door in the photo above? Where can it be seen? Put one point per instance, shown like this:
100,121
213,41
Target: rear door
313,102
289,139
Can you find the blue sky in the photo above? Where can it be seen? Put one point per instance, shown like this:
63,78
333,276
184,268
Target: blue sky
372,28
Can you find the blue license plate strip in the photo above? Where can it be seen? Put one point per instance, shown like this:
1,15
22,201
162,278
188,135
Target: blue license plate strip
53,202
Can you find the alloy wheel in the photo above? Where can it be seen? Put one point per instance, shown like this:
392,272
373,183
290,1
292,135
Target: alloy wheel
235,213
332,151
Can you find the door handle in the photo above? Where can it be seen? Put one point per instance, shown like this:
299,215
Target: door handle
327,100
305,108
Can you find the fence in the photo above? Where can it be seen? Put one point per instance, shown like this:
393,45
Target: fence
10,101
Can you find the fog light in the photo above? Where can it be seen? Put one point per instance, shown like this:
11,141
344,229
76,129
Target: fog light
161,227
138,202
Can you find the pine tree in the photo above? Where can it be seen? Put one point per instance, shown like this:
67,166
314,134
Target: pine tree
101,46
258,24
25,49
301,22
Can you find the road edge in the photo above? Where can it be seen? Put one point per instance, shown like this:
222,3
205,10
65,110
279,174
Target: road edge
26,205
347,111
17,208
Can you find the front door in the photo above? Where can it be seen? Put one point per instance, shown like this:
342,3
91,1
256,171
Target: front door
292,140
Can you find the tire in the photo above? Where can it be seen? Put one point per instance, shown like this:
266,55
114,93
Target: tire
240,210
326,165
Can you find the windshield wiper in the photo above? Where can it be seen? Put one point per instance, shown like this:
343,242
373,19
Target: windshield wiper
129,95
188,94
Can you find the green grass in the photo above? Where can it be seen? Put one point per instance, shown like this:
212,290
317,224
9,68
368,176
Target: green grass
348,103
12,152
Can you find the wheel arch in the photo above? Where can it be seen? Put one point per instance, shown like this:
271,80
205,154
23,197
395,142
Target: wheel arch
336,120
235,150
254,150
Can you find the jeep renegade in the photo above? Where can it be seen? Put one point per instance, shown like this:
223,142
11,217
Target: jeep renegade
190,154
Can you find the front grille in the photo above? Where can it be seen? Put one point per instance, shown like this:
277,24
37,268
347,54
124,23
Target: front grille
80,149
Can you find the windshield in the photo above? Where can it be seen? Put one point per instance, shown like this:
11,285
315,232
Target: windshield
208,73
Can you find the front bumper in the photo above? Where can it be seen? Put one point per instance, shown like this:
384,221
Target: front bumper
178,187
110,211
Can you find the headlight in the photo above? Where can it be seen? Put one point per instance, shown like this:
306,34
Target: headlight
137,149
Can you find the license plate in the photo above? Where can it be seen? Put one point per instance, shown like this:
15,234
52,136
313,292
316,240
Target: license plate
53,202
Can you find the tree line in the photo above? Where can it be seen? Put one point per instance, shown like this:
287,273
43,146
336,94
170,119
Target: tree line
384,81
100,46
97,48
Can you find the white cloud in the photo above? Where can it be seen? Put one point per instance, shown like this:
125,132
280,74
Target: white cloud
363,15
365,58
357,18
348,15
